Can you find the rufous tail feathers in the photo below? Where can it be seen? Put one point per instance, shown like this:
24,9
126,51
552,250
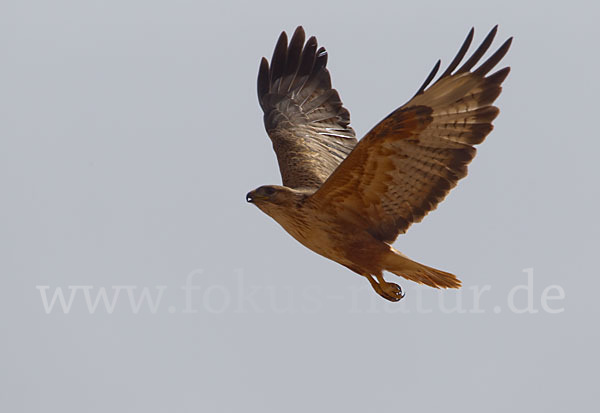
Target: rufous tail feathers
399,264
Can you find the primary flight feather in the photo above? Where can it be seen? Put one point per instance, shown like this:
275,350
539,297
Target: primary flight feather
349,200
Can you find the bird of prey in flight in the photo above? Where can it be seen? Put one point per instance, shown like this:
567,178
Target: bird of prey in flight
348,200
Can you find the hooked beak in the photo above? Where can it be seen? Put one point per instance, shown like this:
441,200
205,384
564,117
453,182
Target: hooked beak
253,197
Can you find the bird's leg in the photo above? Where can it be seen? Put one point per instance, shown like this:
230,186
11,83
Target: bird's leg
389,291
393,292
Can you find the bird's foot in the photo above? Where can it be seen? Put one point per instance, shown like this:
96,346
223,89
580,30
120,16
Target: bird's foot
392,292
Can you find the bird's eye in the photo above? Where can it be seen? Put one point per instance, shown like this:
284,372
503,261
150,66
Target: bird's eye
269,191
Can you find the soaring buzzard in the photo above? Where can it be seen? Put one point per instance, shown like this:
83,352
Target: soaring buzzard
349,200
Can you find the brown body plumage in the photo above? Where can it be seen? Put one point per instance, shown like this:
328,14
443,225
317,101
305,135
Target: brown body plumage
348,201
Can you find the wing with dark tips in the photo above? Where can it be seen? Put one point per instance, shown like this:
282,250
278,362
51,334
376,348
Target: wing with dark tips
303,115
407,164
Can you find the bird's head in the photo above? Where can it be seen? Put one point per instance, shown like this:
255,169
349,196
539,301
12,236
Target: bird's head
270,198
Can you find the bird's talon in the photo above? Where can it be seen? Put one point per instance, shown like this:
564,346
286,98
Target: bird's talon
392,292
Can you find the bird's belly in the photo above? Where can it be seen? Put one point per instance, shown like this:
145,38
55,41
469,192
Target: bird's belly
319,237
313,239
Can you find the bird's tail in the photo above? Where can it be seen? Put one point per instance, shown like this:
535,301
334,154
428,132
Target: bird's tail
399,264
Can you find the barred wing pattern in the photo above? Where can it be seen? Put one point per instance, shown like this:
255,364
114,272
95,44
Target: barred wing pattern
407,164
303,115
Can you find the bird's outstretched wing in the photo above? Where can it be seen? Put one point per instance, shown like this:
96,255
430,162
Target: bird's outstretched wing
303,115
406,165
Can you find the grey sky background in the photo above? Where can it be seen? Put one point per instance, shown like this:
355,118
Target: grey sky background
129,135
